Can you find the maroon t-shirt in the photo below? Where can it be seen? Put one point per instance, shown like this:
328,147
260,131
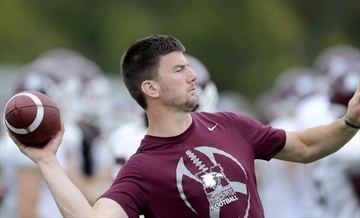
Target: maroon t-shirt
207,171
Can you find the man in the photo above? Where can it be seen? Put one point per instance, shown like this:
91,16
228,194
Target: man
189,164
125,140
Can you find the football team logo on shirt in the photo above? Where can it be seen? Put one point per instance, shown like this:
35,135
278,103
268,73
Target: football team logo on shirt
219,190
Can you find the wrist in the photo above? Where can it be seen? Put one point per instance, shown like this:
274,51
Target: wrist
350,124
47,161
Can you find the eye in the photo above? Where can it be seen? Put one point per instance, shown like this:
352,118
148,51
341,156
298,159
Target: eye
180,68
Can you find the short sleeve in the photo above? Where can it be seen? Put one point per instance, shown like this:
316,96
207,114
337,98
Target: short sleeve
270,142
265,140
126,189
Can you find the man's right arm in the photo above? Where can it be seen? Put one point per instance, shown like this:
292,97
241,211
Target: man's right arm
70,200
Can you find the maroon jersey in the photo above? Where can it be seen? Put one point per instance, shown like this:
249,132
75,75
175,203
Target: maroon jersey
207,171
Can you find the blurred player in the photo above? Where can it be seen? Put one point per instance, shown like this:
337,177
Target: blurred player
235,102
74,83
314,196
282,184
35,200
336,177
206,88
288,89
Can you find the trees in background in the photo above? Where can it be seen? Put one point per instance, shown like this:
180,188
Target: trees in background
245,44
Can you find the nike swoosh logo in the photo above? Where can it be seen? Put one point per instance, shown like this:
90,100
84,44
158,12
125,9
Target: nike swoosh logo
212,128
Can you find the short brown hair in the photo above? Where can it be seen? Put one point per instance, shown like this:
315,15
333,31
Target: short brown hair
141,62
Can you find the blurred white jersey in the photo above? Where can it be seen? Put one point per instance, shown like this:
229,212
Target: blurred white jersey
12,161
319,189
125,141
333,194
331,176
281,183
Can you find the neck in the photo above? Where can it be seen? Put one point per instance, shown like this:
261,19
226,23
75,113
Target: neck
166,123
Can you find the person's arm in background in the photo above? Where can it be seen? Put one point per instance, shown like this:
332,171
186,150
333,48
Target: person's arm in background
317,142
29,187
70,200
90,186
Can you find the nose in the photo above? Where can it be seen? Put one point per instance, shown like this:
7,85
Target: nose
192,75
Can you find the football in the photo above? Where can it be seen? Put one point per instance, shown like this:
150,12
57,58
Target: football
32,117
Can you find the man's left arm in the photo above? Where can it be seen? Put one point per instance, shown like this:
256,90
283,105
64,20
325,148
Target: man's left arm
317,142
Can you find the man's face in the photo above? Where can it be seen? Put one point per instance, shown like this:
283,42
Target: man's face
177,82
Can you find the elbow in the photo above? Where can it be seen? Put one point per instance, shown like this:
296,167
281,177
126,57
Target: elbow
309,157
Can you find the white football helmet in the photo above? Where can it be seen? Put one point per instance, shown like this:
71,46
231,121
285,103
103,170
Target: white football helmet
206,89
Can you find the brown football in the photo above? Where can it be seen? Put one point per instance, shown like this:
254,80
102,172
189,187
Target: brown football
32,117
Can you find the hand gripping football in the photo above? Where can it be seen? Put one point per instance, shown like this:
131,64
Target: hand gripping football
32,117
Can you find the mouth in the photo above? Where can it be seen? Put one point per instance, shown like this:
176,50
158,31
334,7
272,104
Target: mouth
192,88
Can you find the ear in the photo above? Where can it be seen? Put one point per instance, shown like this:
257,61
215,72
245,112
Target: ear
150,88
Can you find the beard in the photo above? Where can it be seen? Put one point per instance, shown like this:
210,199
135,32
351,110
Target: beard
191,105
185,103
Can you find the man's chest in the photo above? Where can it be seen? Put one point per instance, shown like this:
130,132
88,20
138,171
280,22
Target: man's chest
207,179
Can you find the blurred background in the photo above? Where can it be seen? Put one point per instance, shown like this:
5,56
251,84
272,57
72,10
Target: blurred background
245,44
289,63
